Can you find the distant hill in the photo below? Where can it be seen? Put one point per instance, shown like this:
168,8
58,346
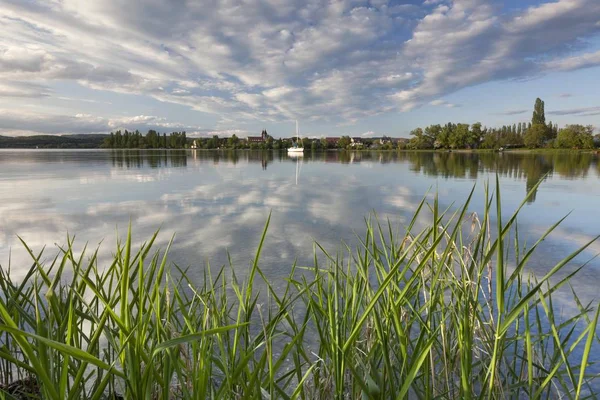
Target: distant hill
80,141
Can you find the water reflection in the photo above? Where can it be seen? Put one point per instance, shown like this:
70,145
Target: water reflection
523,166
526,167
152,159
445,165
218,201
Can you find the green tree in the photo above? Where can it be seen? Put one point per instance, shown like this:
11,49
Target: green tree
213,142
550,134
420,141
152,138
460,136
233,141
439,136
118,140
539,115
443,137
127,139
475,136
344,142
575,137
489,141
535,136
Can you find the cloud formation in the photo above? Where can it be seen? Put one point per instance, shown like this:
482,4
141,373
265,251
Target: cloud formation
582,112
444,103
26,123
277,60
514,112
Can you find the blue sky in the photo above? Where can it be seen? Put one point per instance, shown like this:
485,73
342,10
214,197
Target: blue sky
340,67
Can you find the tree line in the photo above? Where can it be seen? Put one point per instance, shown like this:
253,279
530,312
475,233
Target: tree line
152,140
80,141
234,142
532,135
343,142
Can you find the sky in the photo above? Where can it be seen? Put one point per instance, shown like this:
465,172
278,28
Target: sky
345,67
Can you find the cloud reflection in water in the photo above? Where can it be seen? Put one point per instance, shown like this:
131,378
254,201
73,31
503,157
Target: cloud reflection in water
219,201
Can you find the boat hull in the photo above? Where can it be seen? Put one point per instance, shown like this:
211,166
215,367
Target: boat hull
296,150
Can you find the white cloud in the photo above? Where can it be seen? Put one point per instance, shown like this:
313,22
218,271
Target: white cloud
22,89
514,112
25,123
443,103
222,133
23,59
577,62
471,42
334,61
582,112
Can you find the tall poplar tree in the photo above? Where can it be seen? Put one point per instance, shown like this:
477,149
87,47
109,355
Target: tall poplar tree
539,115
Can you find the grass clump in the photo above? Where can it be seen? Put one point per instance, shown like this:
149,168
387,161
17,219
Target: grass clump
441,312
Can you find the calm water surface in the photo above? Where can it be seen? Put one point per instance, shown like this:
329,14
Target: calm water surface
217,202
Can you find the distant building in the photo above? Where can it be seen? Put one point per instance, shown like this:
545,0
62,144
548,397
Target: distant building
382,140
388,139
332,140
356,142
259,139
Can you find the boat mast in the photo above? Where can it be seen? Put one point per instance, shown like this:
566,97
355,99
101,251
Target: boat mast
297,132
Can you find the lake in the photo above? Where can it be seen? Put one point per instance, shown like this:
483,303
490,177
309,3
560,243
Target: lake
217,202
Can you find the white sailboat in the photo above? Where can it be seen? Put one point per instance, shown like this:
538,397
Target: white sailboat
296,147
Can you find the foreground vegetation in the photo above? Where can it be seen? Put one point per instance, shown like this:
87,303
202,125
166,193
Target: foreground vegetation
447,311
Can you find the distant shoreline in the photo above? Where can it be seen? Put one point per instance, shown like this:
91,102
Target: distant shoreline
439,151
